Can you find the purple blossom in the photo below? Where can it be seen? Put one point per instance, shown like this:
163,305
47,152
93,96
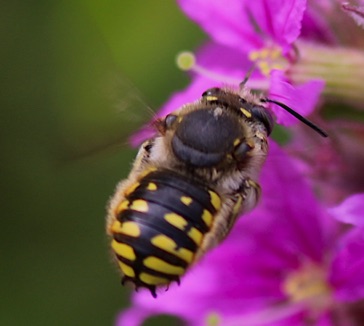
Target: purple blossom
230,63
237,42
355,12
270,43
304,97
285,263
291,261
350,210
278,21
334,164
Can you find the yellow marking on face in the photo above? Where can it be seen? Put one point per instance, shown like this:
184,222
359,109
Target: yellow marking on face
160,265
176,220
123,250
236,142
207,217
122,206
180,118
126,269
215,199
139,205
195,235
131,189
211,98
128,228
153,280
169,245
246,113
186,200
152,186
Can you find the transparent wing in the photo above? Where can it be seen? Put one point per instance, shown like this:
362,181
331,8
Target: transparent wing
115,111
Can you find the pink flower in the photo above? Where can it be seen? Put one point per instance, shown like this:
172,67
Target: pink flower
334,164
350,210
291,261
236,45
278,21
266,32
286,263
356,13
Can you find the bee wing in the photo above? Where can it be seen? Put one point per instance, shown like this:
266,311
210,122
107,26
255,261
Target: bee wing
124,113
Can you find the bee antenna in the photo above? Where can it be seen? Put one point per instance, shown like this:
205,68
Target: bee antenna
247,76
297,116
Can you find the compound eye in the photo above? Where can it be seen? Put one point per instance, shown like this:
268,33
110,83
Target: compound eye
212,92
241,150
169,120
262,114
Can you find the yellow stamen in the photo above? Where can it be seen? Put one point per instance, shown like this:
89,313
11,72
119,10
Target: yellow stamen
213,319
268,58
308,284
186,60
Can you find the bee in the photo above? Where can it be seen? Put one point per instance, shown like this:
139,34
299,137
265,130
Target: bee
188,185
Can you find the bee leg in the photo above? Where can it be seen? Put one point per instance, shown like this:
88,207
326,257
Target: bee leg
152,290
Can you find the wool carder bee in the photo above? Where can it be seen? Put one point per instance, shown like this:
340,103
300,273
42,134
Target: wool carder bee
188,185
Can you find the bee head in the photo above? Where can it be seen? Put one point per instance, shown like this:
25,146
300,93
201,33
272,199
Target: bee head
217,130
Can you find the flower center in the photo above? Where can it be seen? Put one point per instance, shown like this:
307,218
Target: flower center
213,319
268,58
308,284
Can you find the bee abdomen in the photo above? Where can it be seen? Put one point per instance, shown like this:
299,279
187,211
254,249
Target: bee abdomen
160,226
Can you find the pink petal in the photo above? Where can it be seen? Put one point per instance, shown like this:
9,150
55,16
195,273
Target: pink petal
133,316
280,20
350,210
347,268
288,21
316,28
303,98
279,314
216,58
355,12
243,275
287,194
226,24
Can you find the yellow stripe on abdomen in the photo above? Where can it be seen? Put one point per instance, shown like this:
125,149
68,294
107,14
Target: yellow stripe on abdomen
123,250
169,245
160,265
153,280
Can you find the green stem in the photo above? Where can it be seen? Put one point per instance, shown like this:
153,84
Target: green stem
342,69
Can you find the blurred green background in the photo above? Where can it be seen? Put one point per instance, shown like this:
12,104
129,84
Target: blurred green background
68,74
